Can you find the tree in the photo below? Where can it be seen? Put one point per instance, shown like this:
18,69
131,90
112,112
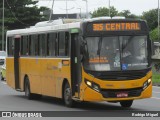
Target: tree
127,14
154,34
103,11
151,17
21,13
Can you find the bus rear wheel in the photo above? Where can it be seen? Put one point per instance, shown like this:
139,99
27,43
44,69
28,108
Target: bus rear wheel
126,104
67,95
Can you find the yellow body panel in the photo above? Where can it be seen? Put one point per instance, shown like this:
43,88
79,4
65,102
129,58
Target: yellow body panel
45,75
88,94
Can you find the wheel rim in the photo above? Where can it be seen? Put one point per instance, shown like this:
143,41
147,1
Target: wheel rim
67,95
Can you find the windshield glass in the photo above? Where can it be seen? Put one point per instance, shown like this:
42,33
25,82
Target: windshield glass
115,53
134,52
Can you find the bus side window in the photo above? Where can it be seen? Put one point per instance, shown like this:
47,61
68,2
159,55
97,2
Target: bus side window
51,44
67,41
42,44
63,39
32,51
10,46
29,45
34,45
24,41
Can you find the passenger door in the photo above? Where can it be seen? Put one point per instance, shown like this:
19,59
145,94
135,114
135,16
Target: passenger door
16,61
75,64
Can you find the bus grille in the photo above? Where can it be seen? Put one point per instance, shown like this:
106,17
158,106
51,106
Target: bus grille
120,75
113,93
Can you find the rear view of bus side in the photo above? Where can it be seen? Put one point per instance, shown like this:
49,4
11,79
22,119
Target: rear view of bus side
81,60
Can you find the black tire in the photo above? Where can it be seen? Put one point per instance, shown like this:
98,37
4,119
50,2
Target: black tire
67,95
28,93
126,104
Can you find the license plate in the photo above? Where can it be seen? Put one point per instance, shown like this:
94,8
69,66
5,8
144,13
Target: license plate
122,94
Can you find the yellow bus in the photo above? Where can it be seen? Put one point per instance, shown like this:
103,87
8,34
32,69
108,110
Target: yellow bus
99,59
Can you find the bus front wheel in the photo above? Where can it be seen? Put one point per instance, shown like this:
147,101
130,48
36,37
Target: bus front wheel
127,103
67,95
28,93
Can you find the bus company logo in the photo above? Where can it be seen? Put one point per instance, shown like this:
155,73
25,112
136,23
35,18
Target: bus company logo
6,114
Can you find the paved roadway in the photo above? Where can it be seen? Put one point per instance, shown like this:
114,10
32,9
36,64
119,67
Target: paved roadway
11,100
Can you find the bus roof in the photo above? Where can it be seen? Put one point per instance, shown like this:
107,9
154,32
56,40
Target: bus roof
40,28
60,24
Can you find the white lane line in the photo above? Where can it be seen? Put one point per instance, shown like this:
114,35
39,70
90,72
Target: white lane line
4,82
155,92
156,87
155,98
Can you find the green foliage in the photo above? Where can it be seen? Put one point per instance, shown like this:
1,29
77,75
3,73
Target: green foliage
151,17
103,11
154,34
127,14
156,76
21,13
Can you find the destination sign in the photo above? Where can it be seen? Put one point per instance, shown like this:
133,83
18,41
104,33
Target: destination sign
116,26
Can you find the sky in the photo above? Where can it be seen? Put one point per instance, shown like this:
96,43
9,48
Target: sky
135,6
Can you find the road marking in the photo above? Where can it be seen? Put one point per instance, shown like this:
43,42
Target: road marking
155,98
155,92
156,87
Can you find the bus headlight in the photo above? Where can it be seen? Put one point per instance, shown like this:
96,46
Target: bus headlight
92,85
147,83
89,83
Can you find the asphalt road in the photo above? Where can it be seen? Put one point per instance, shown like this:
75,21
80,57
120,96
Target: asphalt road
11,100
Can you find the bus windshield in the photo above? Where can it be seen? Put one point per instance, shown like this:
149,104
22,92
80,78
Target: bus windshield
115,53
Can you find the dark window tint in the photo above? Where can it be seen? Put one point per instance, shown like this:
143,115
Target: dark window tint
42,44
10,46
67,37
51,44
34,48
63,43
24,45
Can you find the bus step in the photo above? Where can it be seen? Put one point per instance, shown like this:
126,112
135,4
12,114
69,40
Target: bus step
18,90
76,99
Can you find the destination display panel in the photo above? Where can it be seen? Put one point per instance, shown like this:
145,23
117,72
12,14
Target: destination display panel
116,26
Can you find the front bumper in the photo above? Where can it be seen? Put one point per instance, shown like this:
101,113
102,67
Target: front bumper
92,95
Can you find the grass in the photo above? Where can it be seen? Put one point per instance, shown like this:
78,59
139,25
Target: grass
156,77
